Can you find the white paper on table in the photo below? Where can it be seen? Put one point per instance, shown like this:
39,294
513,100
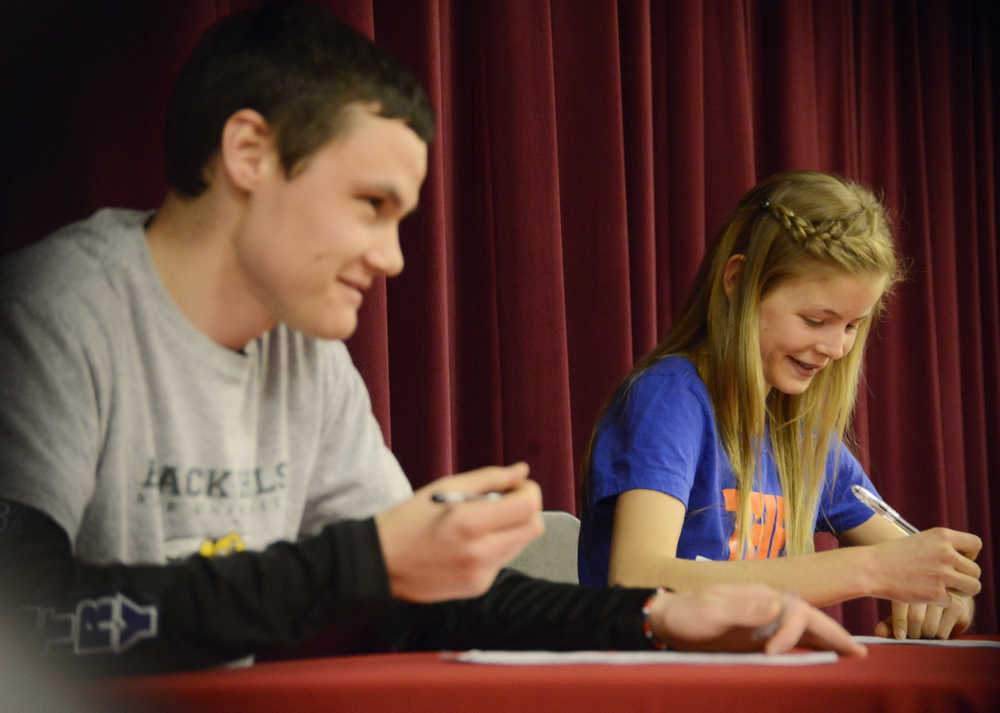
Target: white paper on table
957,643
535,658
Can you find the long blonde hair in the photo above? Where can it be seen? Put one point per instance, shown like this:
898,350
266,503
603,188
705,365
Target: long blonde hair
784,227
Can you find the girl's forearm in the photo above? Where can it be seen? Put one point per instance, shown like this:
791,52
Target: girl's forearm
821,578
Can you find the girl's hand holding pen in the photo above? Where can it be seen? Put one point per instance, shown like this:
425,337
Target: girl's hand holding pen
931,578
941,555
926,567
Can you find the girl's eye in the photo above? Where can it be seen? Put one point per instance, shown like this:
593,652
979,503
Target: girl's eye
375,202
853,327
813,322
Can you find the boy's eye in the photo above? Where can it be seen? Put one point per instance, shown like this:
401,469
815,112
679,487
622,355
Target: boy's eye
375,202
813,322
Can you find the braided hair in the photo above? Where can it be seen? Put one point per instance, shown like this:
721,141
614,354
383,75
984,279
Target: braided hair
801,229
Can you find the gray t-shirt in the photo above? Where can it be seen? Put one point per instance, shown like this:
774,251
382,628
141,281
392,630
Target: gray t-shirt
146,440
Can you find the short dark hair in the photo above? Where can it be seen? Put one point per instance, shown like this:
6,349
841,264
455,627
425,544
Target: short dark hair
300,68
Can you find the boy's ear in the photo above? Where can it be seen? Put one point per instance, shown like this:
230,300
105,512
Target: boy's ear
247,148
733,273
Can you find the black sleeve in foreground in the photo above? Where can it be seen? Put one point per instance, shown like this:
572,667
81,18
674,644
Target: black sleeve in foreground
522,612
195,613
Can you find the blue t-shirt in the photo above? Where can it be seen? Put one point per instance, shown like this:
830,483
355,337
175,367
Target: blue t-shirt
664,438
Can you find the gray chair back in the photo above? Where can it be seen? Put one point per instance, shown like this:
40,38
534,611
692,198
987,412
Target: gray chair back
553,555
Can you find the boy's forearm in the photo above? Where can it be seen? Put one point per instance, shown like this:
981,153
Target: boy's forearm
194,613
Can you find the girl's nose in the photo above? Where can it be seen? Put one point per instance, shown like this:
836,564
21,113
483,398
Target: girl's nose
835,345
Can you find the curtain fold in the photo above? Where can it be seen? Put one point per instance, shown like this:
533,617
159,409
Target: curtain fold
593,207
587,154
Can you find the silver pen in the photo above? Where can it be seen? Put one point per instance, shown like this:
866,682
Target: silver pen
882,508
453,496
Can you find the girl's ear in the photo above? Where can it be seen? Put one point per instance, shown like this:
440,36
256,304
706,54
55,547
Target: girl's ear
732,274
247,148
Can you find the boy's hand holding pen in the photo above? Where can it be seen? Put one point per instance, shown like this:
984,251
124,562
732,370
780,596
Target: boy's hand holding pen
447,496
451,538
455,496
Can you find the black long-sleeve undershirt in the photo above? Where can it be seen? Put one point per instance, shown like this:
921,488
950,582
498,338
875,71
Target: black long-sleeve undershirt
202,612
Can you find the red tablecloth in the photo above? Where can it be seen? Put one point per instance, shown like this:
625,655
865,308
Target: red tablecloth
893,678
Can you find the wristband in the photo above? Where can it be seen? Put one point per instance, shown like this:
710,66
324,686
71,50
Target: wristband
647,623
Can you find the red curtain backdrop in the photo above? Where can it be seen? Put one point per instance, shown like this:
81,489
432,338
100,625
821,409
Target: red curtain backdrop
588,152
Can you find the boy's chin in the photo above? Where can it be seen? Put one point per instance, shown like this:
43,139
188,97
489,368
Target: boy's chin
342,328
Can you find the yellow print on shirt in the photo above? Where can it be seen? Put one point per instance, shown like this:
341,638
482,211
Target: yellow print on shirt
767,531
225,545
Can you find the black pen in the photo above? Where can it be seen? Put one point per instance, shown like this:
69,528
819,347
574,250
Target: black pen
454,496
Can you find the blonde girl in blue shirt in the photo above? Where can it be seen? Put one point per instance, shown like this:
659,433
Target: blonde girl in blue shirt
727,441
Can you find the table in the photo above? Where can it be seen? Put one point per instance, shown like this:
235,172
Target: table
892,679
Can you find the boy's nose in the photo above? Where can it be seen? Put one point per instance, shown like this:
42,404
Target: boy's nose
387,256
